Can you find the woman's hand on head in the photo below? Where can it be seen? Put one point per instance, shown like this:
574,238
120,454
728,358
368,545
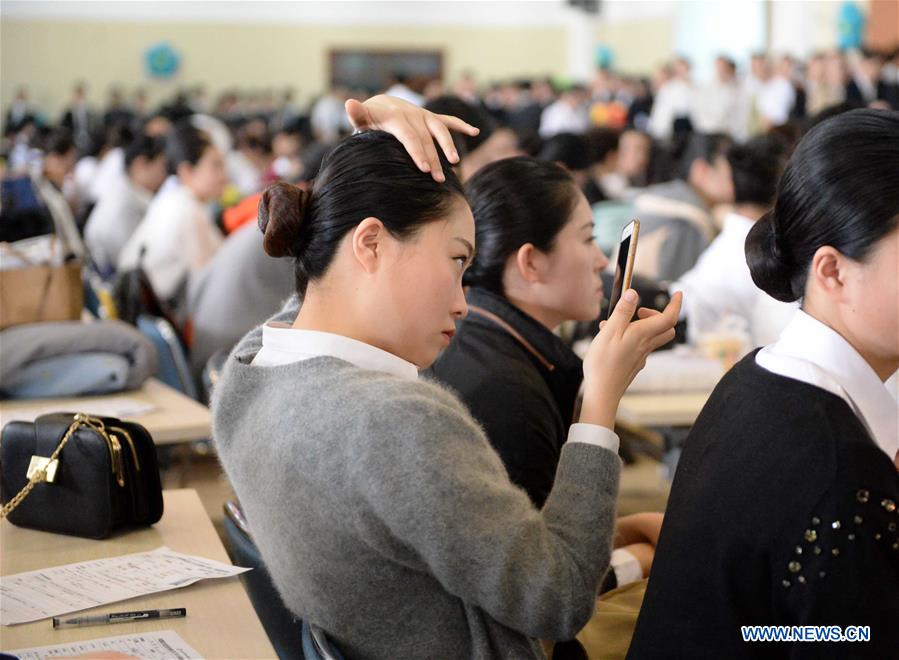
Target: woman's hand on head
416,128
619,352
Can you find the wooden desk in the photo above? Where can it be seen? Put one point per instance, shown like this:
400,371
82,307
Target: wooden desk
220,622
664,409
174,418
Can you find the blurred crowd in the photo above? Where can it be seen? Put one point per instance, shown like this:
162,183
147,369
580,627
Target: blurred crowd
167,189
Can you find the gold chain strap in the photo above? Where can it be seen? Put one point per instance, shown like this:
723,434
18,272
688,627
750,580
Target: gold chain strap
80,420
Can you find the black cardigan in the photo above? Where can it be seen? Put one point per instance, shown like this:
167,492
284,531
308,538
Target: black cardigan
782,512
522,392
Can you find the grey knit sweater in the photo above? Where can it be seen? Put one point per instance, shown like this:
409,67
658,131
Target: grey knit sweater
385,517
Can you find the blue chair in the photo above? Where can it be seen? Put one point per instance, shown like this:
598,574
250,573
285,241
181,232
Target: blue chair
316,645
171,362
284,630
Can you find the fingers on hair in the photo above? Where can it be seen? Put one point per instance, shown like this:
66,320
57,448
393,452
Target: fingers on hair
282,214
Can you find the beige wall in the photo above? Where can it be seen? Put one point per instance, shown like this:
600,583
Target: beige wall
48,56
640,46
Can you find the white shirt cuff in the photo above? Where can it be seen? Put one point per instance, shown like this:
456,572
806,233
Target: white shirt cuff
593,434
626,566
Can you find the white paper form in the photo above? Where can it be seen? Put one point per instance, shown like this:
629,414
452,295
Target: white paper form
122,407
59,590
161,645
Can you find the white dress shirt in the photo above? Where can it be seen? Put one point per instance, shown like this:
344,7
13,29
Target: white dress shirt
672,101
179,237
775,100
283,344
720,285
561,117
113,220
811,352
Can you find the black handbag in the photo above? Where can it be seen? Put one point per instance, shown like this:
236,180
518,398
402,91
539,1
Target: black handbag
80,475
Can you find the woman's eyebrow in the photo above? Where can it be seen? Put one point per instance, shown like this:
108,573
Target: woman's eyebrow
589,225
468,245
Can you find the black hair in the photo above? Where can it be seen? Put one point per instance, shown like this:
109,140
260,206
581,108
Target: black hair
515,201
449,104
144,145
838,189
707,146
185,144
59,142
756,168
369,174
567,149
601,142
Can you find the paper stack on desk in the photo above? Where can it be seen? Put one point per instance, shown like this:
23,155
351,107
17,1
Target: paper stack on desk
678,370
162,645
59,590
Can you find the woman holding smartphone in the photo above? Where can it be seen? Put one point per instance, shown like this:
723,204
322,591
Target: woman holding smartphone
783,511
380,509
536,267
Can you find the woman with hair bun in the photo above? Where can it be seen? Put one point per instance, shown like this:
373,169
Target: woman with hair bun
379,507
783,511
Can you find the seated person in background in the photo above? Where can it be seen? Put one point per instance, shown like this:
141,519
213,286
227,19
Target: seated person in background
602,146
720,285
124,204
675,217
536,267
378,506
783,509
177,236
57,166
475,151
239,289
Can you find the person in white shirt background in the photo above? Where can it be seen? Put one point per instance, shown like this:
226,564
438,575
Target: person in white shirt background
672,101
177,236
719,106
777,96
568,114
124,202
719,285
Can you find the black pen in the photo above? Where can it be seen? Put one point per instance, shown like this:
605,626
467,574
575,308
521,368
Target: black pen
119,617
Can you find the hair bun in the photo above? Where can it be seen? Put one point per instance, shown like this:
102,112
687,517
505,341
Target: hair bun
768,264
282,213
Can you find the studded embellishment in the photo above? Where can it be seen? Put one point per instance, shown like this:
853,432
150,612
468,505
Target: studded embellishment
889,505
851,537
835,552
801,579
811,535
817,550
863,496
857,520
794,566
786,584
835,524
821,574
798,549
816,520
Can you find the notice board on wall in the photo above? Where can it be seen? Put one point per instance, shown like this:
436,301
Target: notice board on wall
373,70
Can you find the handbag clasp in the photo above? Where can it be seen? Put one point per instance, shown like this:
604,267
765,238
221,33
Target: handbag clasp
39,463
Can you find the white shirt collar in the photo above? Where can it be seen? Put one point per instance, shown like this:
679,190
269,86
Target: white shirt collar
810,351
282,344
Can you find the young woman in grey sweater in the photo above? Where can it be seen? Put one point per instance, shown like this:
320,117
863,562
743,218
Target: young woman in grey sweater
379,507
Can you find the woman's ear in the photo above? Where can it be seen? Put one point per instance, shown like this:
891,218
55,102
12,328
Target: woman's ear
828,271
366,242
530,263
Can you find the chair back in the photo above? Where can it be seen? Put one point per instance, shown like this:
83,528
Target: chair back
172,367
316,645
283,628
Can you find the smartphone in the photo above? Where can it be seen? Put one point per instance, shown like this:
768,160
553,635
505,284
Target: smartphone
624,266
